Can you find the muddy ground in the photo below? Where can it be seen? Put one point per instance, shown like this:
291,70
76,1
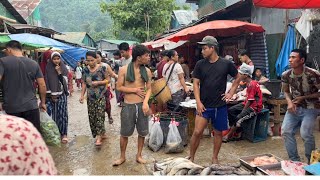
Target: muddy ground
81,157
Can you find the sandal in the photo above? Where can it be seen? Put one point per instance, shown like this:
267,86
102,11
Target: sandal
110,121
225,140
64,140
98,143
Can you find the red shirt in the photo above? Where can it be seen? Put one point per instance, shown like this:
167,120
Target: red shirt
254,93
160,68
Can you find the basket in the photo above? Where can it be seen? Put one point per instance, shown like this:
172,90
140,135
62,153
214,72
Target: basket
256,128
165,119
156,87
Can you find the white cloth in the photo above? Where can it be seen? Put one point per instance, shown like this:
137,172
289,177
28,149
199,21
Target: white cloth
126,61
174,82
78,73
304,25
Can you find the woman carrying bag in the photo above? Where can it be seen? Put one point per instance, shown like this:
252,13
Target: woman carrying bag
57,92
176,81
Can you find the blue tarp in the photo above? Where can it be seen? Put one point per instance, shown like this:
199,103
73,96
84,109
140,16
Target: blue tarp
289,44
71,55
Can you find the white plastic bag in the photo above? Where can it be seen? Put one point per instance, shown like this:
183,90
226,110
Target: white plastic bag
156,137
293,168
150,124
174,141
49,130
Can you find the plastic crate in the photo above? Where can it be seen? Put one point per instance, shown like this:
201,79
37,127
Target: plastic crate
165,120
256,128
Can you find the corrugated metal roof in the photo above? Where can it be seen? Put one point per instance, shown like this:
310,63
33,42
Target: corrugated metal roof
73,37
185,17
76,37
118,42
27,26
13,11
25,7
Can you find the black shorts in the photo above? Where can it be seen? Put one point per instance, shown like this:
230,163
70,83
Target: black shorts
32,116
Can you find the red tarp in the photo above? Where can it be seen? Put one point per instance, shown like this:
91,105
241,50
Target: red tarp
219,28
288,4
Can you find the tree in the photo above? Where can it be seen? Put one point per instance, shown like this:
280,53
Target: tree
143,18
76,16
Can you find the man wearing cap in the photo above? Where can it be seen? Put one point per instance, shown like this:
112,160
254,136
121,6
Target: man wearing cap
209,82
250,107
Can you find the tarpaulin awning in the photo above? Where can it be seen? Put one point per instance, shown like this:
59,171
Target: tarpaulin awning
288,4
71,54
219,28
28,46
289,44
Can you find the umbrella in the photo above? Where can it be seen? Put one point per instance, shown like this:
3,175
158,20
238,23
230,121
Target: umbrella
50,48
219,28
288,4
28,46
289,44
36,39
71,54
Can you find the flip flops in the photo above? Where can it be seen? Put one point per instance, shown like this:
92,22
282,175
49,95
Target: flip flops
64,140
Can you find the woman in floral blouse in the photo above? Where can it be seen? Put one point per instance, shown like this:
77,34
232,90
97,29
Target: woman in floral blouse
95,78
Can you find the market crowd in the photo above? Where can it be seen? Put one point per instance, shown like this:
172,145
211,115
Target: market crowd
130,75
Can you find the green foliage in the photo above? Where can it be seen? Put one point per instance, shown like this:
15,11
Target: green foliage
132,16
77,16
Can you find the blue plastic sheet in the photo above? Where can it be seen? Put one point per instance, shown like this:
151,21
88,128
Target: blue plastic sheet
71,54
282,63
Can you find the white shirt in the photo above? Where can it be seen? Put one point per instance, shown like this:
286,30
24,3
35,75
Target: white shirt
126,61
174,82
78,73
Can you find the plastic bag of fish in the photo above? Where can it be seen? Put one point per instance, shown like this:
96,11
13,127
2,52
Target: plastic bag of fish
49,130
174,141
156,137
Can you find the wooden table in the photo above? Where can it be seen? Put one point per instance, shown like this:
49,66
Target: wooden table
191,115
276,111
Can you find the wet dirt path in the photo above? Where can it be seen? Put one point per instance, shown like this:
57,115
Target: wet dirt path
81,157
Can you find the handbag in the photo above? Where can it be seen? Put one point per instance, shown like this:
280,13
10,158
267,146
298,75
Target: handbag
164,94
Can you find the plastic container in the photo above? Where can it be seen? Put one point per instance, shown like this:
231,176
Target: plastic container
165,119
256,129
245,161
274,86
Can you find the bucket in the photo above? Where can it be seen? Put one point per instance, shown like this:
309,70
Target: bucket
156,87
274,86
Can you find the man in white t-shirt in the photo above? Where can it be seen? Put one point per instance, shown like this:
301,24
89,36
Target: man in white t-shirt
125,53
79,75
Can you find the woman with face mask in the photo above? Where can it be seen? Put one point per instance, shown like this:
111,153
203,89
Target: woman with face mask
57,92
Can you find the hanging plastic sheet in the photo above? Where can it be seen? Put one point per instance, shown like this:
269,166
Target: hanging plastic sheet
282,62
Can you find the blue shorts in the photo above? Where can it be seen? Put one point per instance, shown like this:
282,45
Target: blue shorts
218,117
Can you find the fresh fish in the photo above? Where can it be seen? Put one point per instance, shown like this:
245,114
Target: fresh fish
217,167
206,171
175,163
242,172
194,171
221,172
184,165
182,172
